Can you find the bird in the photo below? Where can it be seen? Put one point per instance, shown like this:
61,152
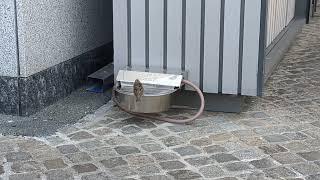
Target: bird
138,90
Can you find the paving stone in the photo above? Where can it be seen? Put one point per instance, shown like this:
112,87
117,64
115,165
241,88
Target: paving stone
164,156
142,139
296,136
287,158
54,164
211,171
253,123
6,147
310,156
199,161
227,178
98,176
124,150
114,162
201,142
313,143
234,146
159,132
156,177
254,141
172,141
117,140
180,128
118,125
123,171
272,149
243,133
279,172
253,176
103,152
272,130
152,147
306,168
259,115
1,169
55,140
18,156
145,124
223,157
139,160
131,130
220,137
24,167
31,144
187,150
248,154
184,174
82,135
59,175
84,168
276,138
67,149
68,130
46,154
79,157
313,177
26,176
237,166
316,123
90,144
103,131
263,163
170,165
214,149
148,169
296,146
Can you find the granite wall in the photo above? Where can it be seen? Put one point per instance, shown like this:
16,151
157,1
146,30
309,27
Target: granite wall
51,32
8,52
60,42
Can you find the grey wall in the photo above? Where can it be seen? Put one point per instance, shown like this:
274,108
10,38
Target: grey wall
8,53
51,32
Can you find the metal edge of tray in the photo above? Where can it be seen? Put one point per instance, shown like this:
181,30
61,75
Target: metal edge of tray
147,104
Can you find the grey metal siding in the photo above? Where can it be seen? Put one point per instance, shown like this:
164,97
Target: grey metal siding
217,41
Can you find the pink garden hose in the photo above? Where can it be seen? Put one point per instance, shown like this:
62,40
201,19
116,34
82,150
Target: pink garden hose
199,113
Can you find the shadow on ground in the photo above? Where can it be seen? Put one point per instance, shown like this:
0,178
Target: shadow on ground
64,112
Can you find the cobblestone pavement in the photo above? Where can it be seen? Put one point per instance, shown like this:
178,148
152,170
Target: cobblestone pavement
275,137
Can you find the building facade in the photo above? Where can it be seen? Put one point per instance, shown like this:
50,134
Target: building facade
230,47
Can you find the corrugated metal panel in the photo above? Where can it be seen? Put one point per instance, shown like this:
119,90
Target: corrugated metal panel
231,46
280,14
212,46
216,40
174,34
120,35
193,43
156,31
251,49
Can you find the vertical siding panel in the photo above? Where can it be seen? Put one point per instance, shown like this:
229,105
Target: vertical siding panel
231,47
193,33
251,47
211,47
156,33
174,34
120,35
138,32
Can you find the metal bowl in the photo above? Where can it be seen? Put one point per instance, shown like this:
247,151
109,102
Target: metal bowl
155,100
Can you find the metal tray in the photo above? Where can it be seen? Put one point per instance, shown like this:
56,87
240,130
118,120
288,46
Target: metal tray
156,99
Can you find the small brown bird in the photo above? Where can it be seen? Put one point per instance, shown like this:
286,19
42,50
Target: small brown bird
138,90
